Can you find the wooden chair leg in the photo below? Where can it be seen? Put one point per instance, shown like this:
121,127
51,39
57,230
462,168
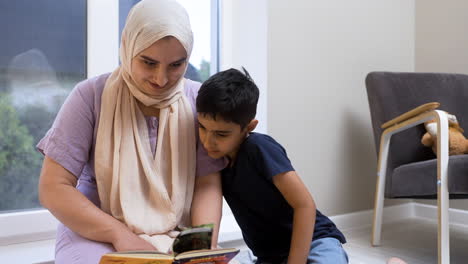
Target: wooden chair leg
380,190
443,232
378,211
443,243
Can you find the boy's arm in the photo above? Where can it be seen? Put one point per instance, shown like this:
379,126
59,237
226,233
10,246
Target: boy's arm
297,195
207,203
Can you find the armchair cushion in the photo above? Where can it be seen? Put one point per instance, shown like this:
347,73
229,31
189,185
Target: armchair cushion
420,178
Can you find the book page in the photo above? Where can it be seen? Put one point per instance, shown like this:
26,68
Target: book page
141,254
205,252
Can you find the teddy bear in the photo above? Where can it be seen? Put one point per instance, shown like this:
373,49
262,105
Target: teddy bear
458,144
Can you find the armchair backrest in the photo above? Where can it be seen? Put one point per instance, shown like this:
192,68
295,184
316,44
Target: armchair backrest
391,94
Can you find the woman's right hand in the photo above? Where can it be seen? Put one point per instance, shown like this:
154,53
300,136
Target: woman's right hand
128,241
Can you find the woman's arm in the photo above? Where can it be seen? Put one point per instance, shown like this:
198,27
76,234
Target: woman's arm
57,193
297,195
207,203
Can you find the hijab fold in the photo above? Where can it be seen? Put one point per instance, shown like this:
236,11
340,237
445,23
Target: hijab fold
150,194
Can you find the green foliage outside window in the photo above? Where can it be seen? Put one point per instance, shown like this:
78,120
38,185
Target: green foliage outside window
19,161
204,70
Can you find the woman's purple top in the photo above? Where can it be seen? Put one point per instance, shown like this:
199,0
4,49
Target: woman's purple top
72,138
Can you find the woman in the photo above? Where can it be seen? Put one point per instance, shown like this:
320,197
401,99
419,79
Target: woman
122,154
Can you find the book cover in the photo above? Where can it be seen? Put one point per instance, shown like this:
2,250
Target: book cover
204,256
191,246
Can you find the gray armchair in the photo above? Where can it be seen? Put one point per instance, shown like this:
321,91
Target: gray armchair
399,103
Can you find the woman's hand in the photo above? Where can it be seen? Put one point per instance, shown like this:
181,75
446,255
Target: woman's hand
128,241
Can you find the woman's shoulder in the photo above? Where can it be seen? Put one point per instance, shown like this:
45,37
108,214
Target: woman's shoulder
93,85
86,96
89,91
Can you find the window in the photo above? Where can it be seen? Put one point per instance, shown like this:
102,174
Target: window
48,47
203,17
41,59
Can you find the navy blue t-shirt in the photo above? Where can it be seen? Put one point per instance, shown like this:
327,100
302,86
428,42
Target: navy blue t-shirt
260,209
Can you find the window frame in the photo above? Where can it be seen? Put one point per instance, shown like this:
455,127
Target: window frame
102,56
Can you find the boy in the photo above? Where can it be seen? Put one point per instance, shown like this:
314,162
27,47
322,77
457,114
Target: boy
274,209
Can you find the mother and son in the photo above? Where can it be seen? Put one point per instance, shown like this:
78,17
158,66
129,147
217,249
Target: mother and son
136,153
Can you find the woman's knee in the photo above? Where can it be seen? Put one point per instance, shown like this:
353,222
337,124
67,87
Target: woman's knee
72,248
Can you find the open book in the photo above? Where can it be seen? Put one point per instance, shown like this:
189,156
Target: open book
191,246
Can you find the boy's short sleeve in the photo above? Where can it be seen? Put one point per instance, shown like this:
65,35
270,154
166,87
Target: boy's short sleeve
268,156
69,140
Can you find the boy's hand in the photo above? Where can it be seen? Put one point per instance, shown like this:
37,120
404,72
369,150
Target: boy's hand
207,203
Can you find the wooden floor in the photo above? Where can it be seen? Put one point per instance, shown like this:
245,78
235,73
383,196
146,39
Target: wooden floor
414,240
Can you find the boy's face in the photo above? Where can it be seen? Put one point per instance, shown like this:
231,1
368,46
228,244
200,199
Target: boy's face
221,138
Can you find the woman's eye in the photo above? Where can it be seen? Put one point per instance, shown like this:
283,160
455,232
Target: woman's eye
149,63
176,65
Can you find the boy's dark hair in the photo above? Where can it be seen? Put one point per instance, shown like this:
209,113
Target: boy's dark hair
230,95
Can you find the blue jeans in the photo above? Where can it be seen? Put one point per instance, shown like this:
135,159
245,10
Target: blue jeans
327,250
322,251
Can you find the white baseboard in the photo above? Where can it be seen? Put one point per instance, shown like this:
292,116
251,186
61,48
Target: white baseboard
456,216
398,212
364,218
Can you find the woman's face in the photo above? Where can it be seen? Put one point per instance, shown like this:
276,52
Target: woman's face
159,66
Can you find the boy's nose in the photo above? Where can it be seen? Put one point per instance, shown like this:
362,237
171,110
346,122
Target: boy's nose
209,141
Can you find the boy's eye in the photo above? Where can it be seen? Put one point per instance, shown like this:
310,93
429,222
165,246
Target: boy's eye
221,135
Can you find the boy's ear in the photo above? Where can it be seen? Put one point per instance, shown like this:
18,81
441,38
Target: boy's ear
252,125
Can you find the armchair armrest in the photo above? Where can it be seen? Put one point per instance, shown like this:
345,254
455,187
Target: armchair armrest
412,113
403,122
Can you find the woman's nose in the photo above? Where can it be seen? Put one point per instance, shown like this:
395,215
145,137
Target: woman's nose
160,77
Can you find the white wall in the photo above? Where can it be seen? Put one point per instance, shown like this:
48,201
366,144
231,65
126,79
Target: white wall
313,56
442,44
244,42
319,53
442,36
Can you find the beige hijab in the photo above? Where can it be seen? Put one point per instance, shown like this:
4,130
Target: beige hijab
150,194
